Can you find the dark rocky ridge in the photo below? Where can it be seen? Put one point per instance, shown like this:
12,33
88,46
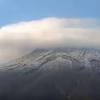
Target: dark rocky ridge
52,74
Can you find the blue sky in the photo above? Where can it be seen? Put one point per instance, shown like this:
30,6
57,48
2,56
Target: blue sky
12,11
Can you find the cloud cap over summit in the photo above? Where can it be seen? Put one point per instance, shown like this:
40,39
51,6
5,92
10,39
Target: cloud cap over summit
50,32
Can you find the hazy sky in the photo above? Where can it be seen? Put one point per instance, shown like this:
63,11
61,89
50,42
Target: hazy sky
26,24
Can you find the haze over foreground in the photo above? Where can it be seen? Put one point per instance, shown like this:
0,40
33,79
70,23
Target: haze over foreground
52,74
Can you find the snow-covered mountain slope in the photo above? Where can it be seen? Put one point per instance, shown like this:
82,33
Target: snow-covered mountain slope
70,57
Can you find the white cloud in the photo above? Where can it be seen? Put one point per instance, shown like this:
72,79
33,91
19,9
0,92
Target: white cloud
49,31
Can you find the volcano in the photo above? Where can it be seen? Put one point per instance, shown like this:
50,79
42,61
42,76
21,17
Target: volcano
52,74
